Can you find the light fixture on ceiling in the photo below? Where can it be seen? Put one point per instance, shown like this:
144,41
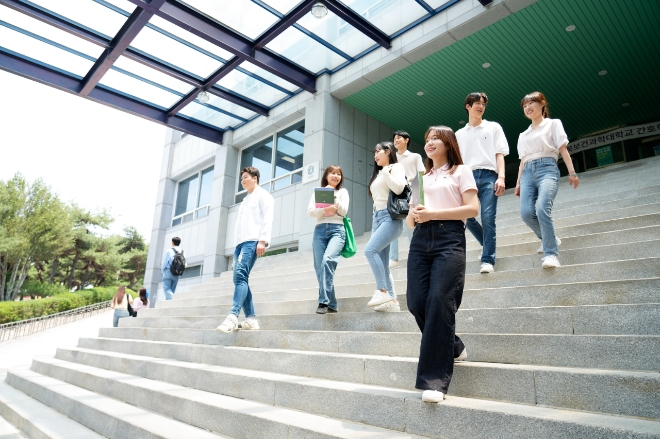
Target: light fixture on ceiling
626,104
319,10
570,28
462,122
420,93
203,97
286,158
485,65
602,72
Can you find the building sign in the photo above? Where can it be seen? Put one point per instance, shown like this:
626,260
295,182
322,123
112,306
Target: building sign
311,172
617,135
604,156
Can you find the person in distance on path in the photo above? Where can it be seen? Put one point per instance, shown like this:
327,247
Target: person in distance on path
170,280
539,147
412,164
254,224
436,260
483,147
329,237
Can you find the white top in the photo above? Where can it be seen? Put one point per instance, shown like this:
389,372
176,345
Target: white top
544,141
479,145
412,164
386,181
124,303
254,221
443,190
137,304
341,199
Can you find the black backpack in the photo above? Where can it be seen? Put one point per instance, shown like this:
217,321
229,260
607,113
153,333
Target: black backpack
178,265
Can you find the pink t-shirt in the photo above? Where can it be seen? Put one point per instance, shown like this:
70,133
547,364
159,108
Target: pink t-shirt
445,191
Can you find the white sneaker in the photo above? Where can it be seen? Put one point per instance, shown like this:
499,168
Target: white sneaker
550,262
463,355
250,324
379,297
229,325
432,396
540,249
390,306
487,268
394,264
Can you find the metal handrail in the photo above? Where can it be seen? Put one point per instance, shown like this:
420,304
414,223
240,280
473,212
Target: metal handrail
22,328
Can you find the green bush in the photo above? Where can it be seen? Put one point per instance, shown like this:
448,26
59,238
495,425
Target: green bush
35,288
28,309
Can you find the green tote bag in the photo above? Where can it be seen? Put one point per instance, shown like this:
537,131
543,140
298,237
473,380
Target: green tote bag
350,248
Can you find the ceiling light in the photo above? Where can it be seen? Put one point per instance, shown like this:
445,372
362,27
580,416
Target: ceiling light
485,65
570,28
626,104
319,10
602,72
288,159
203,97
461,122
420,93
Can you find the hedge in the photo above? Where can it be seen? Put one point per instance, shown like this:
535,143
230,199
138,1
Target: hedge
28,309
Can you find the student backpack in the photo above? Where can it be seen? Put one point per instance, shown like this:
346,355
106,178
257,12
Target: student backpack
178,265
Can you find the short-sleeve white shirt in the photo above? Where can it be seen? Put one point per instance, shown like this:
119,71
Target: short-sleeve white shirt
412,163
544,141
479,145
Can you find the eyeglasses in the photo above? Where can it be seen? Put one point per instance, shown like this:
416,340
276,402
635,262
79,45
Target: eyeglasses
481,104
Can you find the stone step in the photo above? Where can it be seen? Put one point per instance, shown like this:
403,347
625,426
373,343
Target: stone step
598,253
371,357
37,420
109,417
547,386
235,417
591,319
633,217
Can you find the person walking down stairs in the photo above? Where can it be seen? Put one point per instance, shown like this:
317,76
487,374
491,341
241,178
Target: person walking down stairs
254,224
539,147
388,176
119,303
329,237
436,260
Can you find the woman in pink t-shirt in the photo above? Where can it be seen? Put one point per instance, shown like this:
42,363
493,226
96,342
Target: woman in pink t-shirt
436,260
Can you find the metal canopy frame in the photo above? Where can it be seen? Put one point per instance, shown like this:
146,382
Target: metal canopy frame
243,49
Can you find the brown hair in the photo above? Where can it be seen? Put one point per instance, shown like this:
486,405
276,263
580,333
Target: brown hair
449,139
389,146
254,172
475,97
143,295
329,169
119,295
537,96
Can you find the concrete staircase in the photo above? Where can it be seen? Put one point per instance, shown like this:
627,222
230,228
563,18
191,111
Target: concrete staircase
572,352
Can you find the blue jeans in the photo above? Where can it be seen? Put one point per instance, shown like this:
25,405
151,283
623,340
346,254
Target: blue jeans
119,314
484,233
327,245
384,230
394,246
538,188
245,256
436,277
169,284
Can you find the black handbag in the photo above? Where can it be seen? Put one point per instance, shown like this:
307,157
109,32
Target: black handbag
397,205
131,313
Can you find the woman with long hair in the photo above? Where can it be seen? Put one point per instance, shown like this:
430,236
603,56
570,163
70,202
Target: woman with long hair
119,303
141,302
329,237
388,176
539,147
436,260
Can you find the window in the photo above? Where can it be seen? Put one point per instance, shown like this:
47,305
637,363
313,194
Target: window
278,158
193,197
194,271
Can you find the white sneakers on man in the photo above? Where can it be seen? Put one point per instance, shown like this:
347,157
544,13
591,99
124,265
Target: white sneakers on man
379,297
540,249
550,262
487,268
390,306
432,396
250,324
229,325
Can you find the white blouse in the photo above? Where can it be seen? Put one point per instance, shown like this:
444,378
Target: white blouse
394,180
544,141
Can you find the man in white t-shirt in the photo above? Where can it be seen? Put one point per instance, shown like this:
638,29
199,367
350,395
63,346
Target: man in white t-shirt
254,223
483,147
412,163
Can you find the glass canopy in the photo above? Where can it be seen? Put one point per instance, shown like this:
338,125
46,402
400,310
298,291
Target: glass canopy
169,57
